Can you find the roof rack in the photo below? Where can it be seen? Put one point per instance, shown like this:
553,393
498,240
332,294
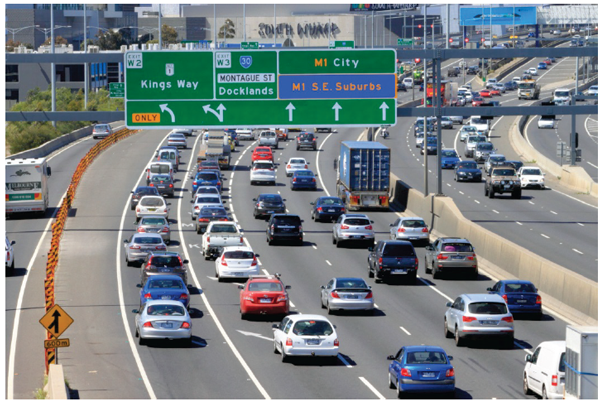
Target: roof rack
275,276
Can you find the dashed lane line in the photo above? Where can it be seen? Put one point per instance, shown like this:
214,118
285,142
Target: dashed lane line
405,330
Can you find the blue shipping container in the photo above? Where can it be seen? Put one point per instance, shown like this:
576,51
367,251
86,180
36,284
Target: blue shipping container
365,166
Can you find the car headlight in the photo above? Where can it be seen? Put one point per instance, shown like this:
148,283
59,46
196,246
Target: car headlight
495,182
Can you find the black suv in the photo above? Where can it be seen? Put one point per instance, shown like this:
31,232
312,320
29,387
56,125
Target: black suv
306,140
267,204
393,258
139,192
285,228
163,263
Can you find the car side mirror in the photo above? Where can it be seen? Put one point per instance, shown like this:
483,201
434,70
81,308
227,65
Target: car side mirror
322,287
449,304
372,221
13,242
169,203
288,287
186,261
126,241
489,289
301,220
275,326
391,224
135,311
240,286
192,201
48,171
316,175
139,285
131,192
450,358
391,357
254,199
284,200
370,249
528,358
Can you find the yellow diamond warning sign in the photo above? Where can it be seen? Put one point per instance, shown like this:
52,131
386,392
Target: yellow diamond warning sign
56,321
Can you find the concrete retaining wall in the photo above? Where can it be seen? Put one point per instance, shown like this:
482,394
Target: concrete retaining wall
566,289
55,144
56,387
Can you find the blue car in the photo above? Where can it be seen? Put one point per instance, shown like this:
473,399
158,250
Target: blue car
449,158
303,179
431,146
467,170
327,208
421,369
520,296
207,177
165,287
542,66
510,85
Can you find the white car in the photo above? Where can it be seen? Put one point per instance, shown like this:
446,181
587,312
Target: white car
467,130
593,90
236,262
468,96
516,79
177,140
305,335
245,134
152,205
544,372
408,82
546,122
533,71
531,177
10,256
420,138
263,171
482,125
186,132
203,200
295,163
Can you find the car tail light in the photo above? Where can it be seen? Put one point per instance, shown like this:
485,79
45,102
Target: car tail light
508,319
151,184
218,184
467,319
288,342
294,179
425,230
354,199
249,298
450,372
555,380
289,166
442,257
335,294
281,298
184,296
223,262
165,230
305,166
380,260
165,210
185,325
369,227
203,219
336,342
242,240
161,247
505,298
405,372
300,229
254,262
195,183
273,228
170,185
343,210
369,295
148,296
319,209
538,299
135,247
196,207
314,180
472,257
141,230
416,262
148,324
344,227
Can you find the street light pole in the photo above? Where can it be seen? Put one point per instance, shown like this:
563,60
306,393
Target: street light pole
85,65
159,28
53,65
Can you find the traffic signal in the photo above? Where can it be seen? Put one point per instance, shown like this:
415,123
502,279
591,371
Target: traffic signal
419,26
417,60
450,40
466,40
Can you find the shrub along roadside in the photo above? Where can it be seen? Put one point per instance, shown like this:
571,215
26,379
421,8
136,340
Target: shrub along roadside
21,136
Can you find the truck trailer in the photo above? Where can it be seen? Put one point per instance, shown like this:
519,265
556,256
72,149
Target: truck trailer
27,185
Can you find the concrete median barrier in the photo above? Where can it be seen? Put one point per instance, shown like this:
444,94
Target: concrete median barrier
562,290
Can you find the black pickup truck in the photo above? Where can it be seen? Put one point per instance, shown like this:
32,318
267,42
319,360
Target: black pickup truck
393,259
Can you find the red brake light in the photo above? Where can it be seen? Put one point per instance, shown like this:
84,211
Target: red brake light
282,298
208,239
380,260
141,230
344,227
336,342
223,262
472,258
241,239
148,324
254,262
508,319
450,372
289,166
555,380
335,294
170,185
416,262
314,180
505,298
165,230
369,295
538,299
425,230
369,227
203,219
151,184
405,372
218,184
135,247
294,179
467,319
442,257
183,296
288,342
185,325
148,296
320,209
306,166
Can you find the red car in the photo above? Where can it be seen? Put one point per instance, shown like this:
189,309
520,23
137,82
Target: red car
485,93
264,294
548,62
495,92
477,101
262,153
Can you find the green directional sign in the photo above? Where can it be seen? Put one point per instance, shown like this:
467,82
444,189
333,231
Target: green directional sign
241,88
249,45
117,90
341,44
405,42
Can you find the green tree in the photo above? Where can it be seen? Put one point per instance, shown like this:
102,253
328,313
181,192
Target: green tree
169,34
58,40
109,40
227,30
11,45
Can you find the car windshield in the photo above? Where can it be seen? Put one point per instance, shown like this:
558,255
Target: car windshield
263,166
519,288
306,136
484,146
287,220
457,247
207,190
413,223
262,150
357,222
312,327
478,121
270,198
153,221
151,202
165,310
504,172
425,357
265,287
147,240
331,201
350,283
561,93
224,228
165,284
158,178
240,255
304,173
207,199
497,158
398,250
595,88
210,211
561,364
467,164
207,177
449,153
488,308
297,161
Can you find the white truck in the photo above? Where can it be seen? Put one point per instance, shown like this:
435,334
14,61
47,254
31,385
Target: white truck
562,96
581,362
219,235
27,185
217,148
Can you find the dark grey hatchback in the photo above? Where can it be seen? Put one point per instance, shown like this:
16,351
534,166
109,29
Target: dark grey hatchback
393,259
285,228
268,204
164,184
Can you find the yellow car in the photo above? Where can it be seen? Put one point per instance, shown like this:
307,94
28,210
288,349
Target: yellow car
231,144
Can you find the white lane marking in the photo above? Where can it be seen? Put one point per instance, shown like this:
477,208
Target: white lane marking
495,211
373,389
531,203
461,192
344,361
318,170
279,192
328,263
314,246
292,305
572,197
405,330
581,224
591,164
375,304
543,235
449,185
476,201
519,223
228,340
577,251
553,212
439,292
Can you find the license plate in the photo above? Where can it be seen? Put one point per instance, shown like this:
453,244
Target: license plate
330,210
313,341
165,297
151,209
521,301
458,257
428,374
271,211
488,322
506,186
167,325
352,297
164,270
240,274
265,300
399,271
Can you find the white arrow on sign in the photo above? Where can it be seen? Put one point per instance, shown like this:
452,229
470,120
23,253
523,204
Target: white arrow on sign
253,334
219,114
163,108
384,107
291,109
337,108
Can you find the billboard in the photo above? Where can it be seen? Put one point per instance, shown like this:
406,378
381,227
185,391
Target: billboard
498,16
383,7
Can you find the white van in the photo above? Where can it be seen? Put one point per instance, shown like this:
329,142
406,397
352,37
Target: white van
158,167
562,96
544,372
408,82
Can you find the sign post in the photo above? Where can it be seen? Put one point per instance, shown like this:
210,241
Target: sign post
242,88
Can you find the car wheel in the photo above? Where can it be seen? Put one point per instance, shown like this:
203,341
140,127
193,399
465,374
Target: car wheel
436,273
270,241
475,274
486,192
526,389
283,356
399,392
322,304
544,394
447,332
492,193
509,342
333,240
141,341
338,243
128,263
243,316
206,257
329,310
427,269
137,333
413,278
457,339
390,381
371,274
455,178
198,229
189,342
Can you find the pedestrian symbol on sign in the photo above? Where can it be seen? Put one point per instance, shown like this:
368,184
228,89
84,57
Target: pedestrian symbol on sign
170,69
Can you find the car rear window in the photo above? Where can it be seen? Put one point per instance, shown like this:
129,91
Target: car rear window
165,261
357,222
165,284
147,240
312,327
488,308
224,228
151,202
146,191
207,176
270,198
331,201
467,164
263,166
504,172
398,250
351,283
177,137
165,310
153,221
207,190
265,287
101,127
449,153
297,161
207,199
561,364
158,178
457,247
519,288
213,211
485,147
287,220
532,171
240,255
413,223
304,173
425,357
498,158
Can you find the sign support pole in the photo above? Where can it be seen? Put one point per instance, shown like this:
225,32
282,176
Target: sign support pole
573,120
438,117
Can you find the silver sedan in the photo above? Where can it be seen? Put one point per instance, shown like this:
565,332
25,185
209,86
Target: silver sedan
347,294
353,227
140,245
157,225
162,319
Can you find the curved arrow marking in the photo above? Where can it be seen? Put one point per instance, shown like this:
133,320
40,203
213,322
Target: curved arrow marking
384,107
291,109
163,108
337,108
219,114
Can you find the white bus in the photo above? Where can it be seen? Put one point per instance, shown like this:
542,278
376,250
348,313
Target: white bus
27,185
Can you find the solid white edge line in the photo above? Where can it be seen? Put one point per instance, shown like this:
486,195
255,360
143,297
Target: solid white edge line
578,200
318,170
373,389
405,330
228,340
